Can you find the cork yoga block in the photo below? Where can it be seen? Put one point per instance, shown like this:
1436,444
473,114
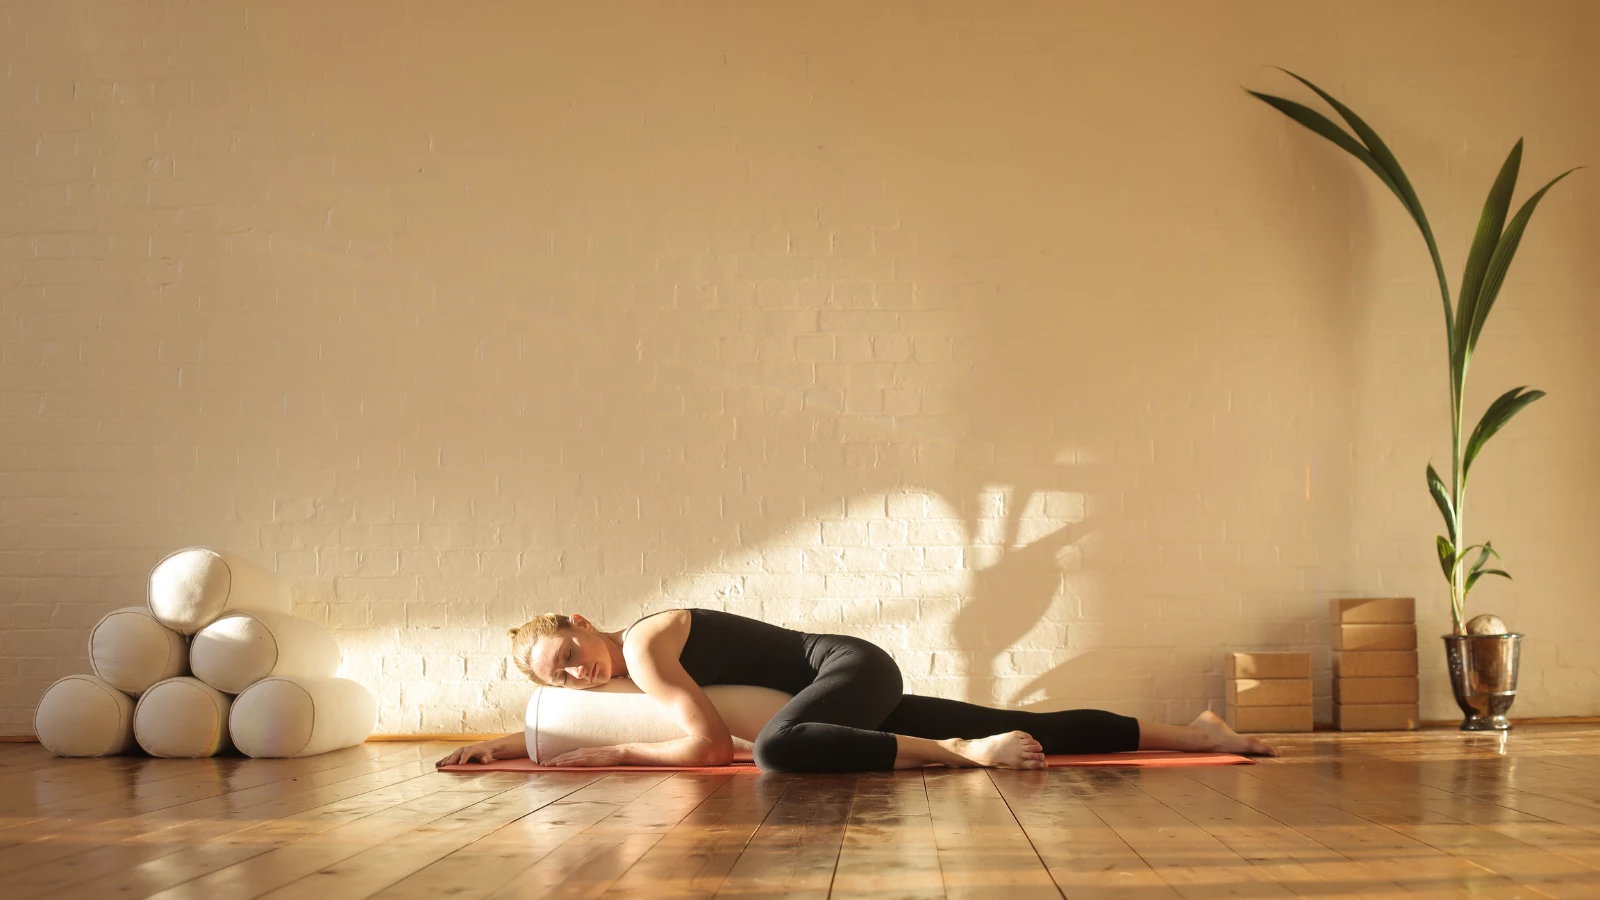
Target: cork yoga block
1375,637
1373,611
1269,692
1375,716
1274,664
1360,691
1261,719
1375,664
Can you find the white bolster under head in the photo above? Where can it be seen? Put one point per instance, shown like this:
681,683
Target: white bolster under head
82,715
131,650
301,715
243,647
182,718
189,589
618,712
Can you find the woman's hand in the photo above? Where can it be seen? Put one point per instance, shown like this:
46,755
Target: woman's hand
481,752
591,756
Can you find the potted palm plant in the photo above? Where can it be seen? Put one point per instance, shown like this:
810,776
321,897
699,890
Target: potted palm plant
1482,657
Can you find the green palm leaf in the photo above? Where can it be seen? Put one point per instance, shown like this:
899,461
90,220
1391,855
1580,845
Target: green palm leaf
1494,418
1473,578
1484,242
1495,273
1485,550
1447,557
1441,498
1322,125
1397,182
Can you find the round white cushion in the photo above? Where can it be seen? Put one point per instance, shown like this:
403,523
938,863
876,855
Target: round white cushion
618,712
131,650
82,715
241,648
182,718
189,589
301,715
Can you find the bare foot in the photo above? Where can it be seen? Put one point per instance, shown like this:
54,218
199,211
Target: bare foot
1012,750
1225,740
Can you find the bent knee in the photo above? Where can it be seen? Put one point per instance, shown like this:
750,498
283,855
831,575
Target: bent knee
784,750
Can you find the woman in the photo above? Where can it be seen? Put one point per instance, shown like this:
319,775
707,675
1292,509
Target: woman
847,713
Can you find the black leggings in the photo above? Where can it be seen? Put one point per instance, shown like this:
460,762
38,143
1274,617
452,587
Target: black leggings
846,719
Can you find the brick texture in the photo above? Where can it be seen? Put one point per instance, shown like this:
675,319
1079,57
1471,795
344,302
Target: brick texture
1020,341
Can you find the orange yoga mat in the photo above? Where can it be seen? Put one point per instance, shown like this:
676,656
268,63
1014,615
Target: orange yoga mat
1142,758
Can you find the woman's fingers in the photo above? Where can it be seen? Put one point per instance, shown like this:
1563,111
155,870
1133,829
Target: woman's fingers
463,755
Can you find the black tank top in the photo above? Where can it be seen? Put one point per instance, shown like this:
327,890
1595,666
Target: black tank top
724,648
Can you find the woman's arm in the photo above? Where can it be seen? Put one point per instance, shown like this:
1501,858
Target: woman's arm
511,746
687,751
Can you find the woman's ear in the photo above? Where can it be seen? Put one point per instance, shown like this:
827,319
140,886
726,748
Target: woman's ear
581,622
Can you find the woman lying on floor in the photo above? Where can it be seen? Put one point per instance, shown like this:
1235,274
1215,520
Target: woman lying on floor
847,713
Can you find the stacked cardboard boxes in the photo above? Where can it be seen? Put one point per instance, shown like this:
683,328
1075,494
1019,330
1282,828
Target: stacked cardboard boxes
1269,692
1374,664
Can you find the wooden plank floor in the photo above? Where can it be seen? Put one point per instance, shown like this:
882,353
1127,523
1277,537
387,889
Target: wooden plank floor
1429,814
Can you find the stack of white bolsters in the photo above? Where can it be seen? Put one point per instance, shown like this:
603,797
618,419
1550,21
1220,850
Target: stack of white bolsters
262,680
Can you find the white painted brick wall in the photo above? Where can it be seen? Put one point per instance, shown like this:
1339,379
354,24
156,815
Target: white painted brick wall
1018,340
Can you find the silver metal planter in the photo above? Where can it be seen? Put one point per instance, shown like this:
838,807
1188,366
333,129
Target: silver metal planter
1483,673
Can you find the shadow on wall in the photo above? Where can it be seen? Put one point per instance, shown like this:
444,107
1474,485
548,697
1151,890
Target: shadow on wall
548,319
730,292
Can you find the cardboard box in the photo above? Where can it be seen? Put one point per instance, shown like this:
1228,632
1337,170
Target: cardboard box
1374,664
1269,692
1274,664
1374,717
1360,691
1259,719
1373,611
1374,637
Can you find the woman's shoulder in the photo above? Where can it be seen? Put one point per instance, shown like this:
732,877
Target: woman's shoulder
657,624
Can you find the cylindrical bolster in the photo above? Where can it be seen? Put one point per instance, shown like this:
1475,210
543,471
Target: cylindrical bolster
302,715
189,589
182,718
82,715
562,719
243,647
131,650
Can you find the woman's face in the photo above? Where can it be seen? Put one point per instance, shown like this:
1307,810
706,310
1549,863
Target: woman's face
573,658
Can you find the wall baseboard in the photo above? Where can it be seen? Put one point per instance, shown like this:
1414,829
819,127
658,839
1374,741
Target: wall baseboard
1321,726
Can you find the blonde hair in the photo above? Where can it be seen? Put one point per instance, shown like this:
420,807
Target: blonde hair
526,636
